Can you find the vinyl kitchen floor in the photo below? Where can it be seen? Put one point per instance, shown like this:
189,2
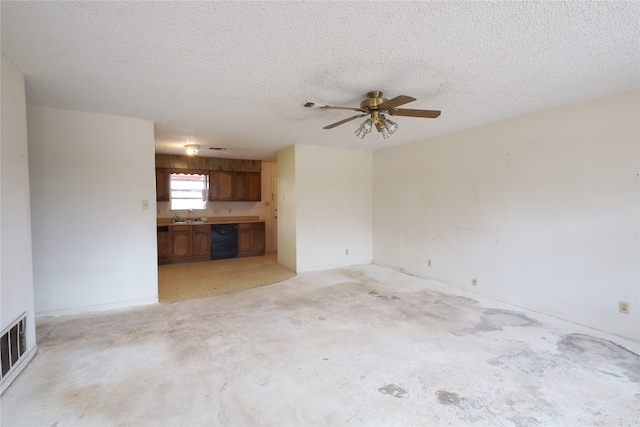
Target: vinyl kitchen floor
355,346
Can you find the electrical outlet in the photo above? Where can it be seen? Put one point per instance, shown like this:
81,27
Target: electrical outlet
346,251
217,211
623,307
429,263
474,282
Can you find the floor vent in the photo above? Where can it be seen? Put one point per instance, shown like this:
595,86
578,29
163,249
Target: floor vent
13,345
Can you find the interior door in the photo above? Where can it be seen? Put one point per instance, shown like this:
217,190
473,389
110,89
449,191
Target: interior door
274,212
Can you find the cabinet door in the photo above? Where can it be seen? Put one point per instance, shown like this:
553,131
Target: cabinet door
245,238
163,247
251,239
257,241
180,242
248,186
162,185
201,241
221,185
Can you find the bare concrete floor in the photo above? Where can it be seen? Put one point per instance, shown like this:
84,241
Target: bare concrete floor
356,346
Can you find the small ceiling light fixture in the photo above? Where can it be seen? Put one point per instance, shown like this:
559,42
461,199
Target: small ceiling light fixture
192,149
388,128
364,128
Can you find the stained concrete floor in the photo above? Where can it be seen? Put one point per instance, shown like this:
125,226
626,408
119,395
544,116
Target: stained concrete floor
356,346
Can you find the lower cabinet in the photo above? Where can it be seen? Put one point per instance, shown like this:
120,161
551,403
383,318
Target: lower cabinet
251,239
180,242
185,243
201,242
164,247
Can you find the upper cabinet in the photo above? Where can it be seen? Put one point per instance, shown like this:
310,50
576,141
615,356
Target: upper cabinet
162,185
239,186
229,179
248,186
221,186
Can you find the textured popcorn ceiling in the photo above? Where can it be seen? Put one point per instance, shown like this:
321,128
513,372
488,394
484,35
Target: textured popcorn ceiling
235,74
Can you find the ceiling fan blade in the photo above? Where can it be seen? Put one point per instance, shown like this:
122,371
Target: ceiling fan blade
343,121
329,107
429,114
397,101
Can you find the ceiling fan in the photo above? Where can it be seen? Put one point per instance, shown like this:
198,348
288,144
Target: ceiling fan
377,106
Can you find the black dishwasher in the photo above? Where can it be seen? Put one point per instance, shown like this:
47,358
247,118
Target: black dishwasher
224,241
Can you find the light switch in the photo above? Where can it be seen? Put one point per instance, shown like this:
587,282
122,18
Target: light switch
145,204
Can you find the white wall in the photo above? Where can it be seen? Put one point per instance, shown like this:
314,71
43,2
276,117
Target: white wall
94,247
542,210
287,207
333,189
16,274
261,209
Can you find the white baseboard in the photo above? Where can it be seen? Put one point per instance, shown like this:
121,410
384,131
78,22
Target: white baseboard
97,307
331,266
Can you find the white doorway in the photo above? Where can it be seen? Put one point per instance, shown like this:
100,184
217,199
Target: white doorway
274,212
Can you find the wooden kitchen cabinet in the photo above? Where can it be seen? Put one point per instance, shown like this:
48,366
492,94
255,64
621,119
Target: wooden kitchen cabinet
230,186
201,241
181,248
163,186
251,239
192,242
221,185
248,186
164,245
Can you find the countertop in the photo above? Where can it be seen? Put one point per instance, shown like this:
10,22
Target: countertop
211,220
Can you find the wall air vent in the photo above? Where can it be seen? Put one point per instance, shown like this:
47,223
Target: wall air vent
13,345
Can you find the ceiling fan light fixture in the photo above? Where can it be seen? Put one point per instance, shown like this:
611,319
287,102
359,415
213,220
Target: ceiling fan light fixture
364,128
192,149
360,132
390,126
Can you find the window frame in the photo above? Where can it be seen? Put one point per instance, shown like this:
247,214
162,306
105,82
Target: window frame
202,202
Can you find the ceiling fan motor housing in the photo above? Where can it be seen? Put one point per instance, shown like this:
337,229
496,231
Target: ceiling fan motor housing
372,104
374,100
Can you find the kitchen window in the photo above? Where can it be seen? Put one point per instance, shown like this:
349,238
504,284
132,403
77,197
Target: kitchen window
188,191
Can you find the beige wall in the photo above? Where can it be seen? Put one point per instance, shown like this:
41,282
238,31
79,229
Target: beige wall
329,198
16,276
94,246
287,207
542,210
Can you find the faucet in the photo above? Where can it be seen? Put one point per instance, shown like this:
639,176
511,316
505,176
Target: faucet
176,216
